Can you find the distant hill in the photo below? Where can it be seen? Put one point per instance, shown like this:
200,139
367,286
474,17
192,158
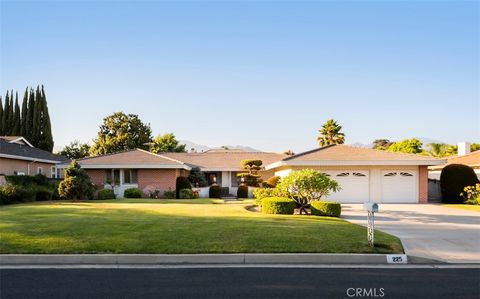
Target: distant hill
201,147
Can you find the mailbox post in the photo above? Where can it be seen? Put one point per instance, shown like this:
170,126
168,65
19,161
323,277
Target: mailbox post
371,209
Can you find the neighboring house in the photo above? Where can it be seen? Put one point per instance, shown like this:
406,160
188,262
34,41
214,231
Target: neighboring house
464,157
366,174
19,157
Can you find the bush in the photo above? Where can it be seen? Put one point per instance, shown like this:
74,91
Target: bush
325,208
278,205
14,194
261,193
242,191
43,194
169,194
106,194
132,193
471,195
186,194
214,191
182,183
271,182
155,193
453,179
76,184
197,178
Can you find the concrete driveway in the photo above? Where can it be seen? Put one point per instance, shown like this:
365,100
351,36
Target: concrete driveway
427,230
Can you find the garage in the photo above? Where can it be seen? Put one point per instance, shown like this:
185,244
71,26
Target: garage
354,184
399,186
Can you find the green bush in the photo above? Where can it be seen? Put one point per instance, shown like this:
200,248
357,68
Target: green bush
182,183
261,193
27,180
186,194
10,193
278,205
132,193
271,182
106,194
76,184
453,179
43,194
242,191
214,191
169,194
325,208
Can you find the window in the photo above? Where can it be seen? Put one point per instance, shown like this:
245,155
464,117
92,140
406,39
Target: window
130,176
112,176
405,174
234,179
343,174
391,174
40,170
358,174
53,172
60,173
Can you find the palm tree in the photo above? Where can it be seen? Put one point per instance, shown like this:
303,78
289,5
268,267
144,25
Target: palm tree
438,150
330,134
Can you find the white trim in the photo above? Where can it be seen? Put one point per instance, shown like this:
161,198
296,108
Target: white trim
40,170
136,166
221,169
53,172
22,139
353,163
28,159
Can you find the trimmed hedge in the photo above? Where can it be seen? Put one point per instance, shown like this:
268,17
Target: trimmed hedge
16,193
133,193
43,194
169,194
278,205
453,179
182,183
325,208
214,191
261,193
186,194
242,191
106,194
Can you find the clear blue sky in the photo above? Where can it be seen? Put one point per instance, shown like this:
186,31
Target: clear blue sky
260,73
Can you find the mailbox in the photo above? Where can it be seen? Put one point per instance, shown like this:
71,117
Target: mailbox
370,207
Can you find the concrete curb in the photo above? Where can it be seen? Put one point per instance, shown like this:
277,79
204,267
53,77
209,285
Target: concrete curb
235,258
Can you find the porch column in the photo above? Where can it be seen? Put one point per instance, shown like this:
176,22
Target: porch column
225,178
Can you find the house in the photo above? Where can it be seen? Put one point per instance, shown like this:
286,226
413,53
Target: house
19,157
464,157
364,174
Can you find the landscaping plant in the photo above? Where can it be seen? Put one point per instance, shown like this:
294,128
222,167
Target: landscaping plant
453,179
76,184
197,178
278,205
471,194
325,208
182,183
251,177
242,191
132,193
106,194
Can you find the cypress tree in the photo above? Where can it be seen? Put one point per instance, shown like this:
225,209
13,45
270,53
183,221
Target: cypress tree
23,122
16,117
37,110
5,116
2,131
46,140
11,115
29,120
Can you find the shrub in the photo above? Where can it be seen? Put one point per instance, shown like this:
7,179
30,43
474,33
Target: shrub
170,194
224,191
186,194
278,205
106,194
76,184
182,183
453,179
261,193
43,194
155,193
197,178
132,193
251,178
214,191
10,193
325,208
271,182
471,195
242,191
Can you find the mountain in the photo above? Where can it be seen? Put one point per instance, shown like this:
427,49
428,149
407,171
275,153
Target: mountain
201,147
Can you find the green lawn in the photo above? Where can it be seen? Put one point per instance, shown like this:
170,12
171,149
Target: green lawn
463,206
175,226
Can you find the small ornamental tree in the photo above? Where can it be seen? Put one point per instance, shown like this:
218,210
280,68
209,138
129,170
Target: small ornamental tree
76,184
307,185
251,178
197,178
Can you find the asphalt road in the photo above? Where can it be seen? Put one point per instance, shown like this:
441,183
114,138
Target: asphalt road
240,283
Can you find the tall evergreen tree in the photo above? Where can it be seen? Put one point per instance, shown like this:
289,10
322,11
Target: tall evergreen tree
16,118
11,115
24,127
30,113
5,116
45,141
37,110
2,131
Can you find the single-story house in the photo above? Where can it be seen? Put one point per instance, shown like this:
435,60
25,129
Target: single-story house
19,157
364,174
464,157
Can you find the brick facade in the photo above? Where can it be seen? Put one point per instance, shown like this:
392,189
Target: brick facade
161,179
97,176
423,184
11,166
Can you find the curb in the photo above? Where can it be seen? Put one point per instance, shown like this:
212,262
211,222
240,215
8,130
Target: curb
235,258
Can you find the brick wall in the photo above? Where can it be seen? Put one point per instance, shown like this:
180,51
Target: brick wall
422,184
97,176
161,179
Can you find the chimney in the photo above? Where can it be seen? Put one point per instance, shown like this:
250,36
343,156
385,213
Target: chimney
463,148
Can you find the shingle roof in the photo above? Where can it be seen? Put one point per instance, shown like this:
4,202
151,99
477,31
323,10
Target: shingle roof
472,160
25,152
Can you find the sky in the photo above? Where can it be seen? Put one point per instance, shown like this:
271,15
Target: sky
265,74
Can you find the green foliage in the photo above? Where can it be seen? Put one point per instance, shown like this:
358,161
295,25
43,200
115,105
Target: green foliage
453,179
182,183
121,132
410,146
167,143
242,191
307,185
271,182
251,178
43,194
197,178
170,194
27,180
106,194
325,208
278,205
214,191
10,194
330,133
261,193
471,194
186,194
76,150
133,193
381,144
76,184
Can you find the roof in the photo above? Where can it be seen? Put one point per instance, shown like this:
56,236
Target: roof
16,139
226,160
25,152
341,154
472,160
136,158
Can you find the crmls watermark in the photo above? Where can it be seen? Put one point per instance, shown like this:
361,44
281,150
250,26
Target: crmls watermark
365,292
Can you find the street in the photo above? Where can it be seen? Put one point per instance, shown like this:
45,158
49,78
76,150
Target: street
241,282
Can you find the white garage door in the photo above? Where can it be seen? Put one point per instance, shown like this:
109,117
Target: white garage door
354,184
399,186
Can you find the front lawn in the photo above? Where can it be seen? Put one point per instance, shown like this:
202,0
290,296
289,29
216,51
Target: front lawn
175,226
463,206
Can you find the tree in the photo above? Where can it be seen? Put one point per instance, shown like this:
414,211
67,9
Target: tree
24,128
121,132
197,178
474,147
5,116
16,118
330,134
2,130
437,150
45,139
381,144
76,184
30,113
307,185
251,178
167,143
411,146
289,152
75,150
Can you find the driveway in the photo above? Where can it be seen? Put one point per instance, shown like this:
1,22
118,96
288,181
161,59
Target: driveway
427,230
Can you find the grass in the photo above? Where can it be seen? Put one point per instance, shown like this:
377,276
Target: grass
463,206
175,226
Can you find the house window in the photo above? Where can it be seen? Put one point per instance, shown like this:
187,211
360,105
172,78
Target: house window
405,174
343,174
358,174
234,179
130,176
53,172
40,170
112,175
391,174
60,173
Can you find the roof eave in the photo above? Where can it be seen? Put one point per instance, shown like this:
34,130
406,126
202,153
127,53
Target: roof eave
354,163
